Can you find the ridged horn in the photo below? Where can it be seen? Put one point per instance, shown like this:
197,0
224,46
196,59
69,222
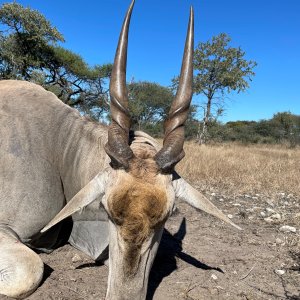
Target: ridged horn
172,151
117,146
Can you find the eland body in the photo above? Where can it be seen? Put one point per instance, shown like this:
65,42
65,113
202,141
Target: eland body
119,187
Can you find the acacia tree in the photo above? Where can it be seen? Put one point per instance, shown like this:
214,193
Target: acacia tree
29,51
220,69
148,102
149,105
25,38
75,83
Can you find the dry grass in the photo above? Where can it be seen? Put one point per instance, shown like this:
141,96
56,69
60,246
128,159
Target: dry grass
239,169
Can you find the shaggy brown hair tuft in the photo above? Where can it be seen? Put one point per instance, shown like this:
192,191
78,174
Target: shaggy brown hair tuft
137,206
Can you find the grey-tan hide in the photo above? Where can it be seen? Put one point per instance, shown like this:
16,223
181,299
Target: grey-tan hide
48,152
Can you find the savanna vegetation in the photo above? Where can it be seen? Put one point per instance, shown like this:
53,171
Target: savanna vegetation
237,169
31,48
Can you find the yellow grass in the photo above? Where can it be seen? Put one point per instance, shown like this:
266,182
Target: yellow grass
239,169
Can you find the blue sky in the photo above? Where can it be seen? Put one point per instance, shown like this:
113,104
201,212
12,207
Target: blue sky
267,30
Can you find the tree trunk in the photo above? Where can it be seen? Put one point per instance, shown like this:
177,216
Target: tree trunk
203,133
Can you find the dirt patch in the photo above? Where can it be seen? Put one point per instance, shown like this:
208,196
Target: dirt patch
200,257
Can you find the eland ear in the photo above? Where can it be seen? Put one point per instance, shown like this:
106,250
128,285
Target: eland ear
187,193
94,189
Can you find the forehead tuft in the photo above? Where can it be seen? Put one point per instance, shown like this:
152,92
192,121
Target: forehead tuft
143,150
137,208
134,201
144,169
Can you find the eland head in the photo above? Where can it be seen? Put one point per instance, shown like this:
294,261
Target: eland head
139,188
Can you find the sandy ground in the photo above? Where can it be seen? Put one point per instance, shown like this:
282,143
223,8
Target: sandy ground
200,257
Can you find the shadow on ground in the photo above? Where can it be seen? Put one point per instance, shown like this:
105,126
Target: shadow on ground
169,251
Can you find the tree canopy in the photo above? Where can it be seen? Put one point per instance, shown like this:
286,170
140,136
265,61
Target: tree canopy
149,102
282,128
25,41
30,51
219,70
149,105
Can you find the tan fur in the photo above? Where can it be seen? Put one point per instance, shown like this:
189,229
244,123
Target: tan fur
144,152
138,205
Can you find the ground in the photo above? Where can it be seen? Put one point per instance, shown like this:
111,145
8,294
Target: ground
201,257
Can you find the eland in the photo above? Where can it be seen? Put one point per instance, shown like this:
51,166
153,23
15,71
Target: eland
119,186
